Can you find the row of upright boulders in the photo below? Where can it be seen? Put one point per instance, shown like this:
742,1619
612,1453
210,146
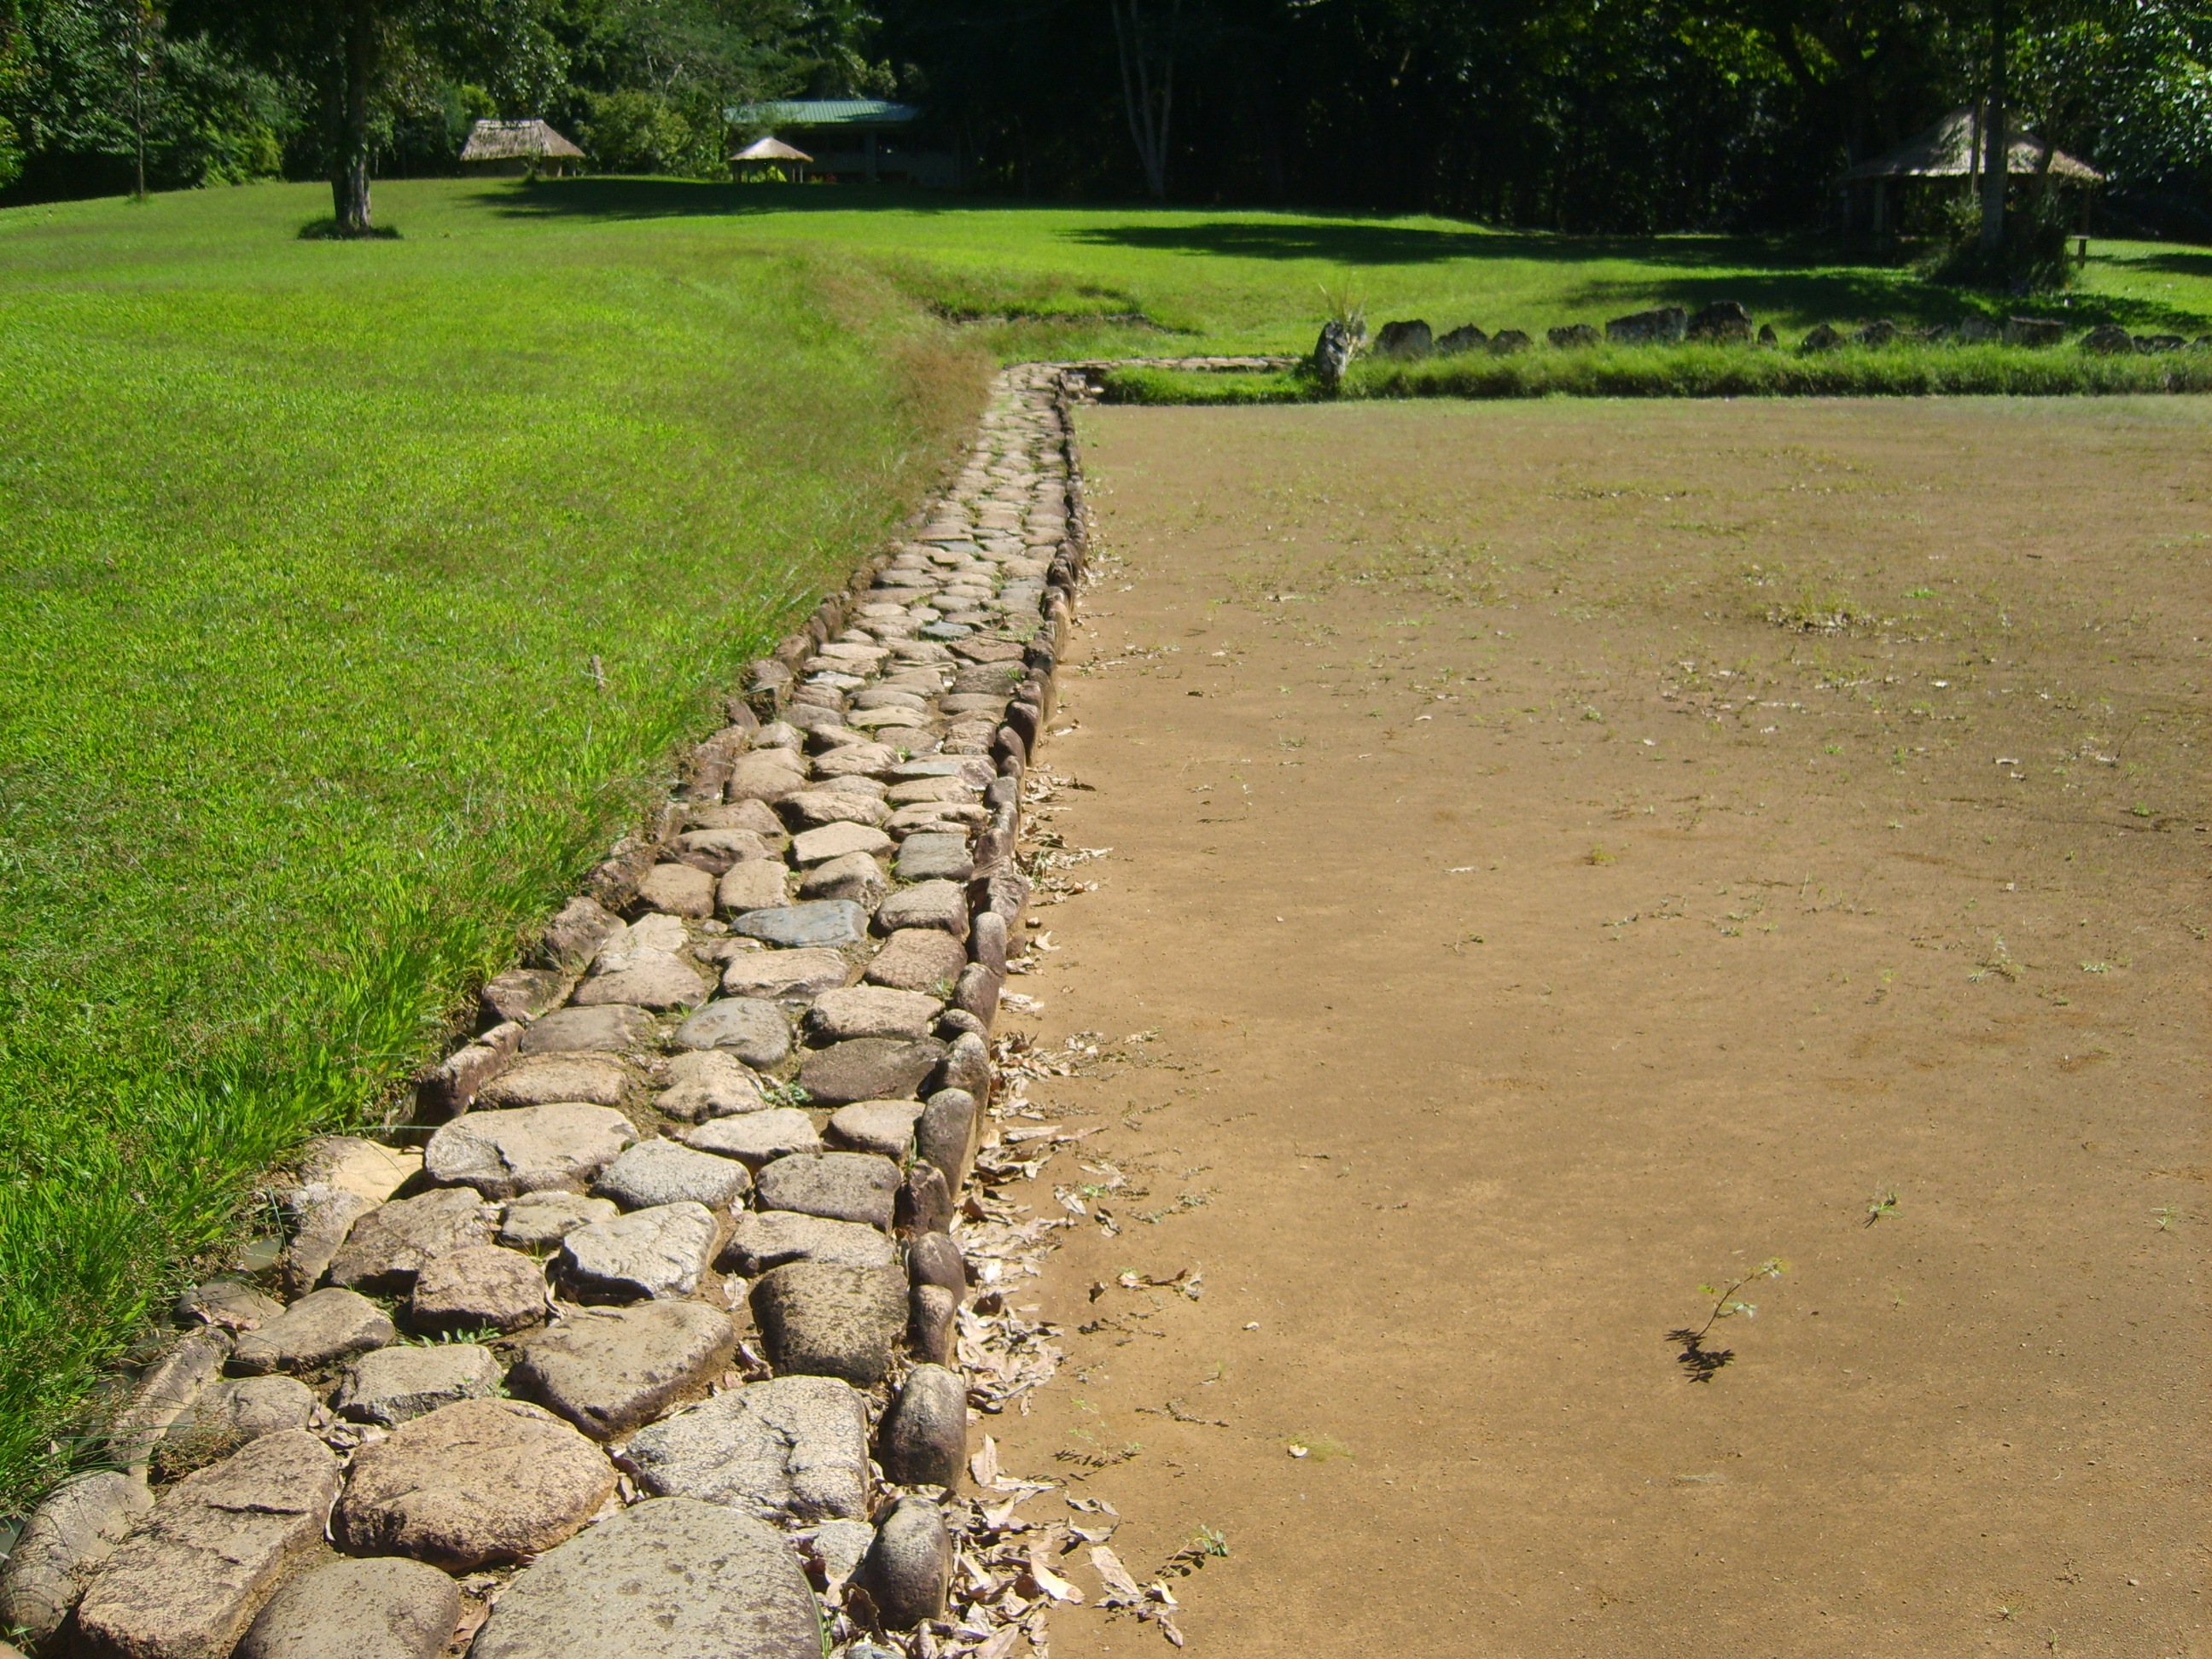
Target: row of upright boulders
652,1342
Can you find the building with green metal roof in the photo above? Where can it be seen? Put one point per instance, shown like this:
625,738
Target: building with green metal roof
861,139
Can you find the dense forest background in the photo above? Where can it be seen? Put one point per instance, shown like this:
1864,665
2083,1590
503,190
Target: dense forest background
1580,115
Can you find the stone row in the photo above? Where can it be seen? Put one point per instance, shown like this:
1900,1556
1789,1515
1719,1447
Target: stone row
661,1305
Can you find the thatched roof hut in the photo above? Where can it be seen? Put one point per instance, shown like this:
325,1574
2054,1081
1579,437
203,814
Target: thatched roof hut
763,154
518,147
1952,149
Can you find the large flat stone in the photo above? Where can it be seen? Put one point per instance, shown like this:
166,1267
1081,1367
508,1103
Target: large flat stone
214,1550
941,904
481,1288
811,809
320,1218
653,978
542,1080
608,1369
716,850
792,1450
856,876
670,1578
765,774
756,1137
715,1082
919,959
471,1483
382,1608
755,884
243,1408
935,856
841,1186
824,922
538,1221
679,889
753,1030
393,1385
527,1149
870,1011
792,975
347,1164
869,1068
821,1319
389,1245
572,937
615,1028
837,841
883,1127
769,1238
855,759
655,1172
655,1253
319,1329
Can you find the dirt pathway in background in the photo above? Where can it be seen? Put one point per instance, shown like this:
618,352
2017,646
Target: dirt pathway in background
1533,921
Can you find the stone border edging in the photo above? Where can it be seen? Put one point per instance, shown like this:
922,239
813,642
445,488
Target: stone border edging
616,1158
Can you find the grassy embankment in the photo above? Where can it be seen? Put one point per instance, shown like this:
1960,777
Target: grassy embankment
354,593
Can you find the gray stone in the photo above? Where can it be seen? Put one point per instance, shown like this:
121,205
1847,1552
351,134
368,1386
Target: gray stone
474,1483
748,1027
909,1571
856,757
839,1547
319,1329
384,1608
794,974
923,1438
165,1393
613,1028
245,1408
1664,326
679,890
794,1448
573,936
883,1127
925,1202
388,1246
935,1259
756,885
716,850
708,1083
928,904
1407,339
918,959
484,1287
830,922
65,1542
1332,353
945,1134
813,808
524,993
886,696
216,1547
842,1186
651,979
821,1320
527,1149
657,1172
230,1304
2109,340
542,1079
608,1369
767,773
766,1240
932,1316
538,1221
655,1253
932,857
1722,322
756,1138
856,876
869,1068
670,1578
321,1218
348,1164
967,1065
870,1011
977,993
988,945
393,1385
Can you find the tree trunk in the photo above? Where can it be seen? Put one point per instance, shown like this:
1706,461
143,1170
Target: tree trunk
357,49
1148,107
1996,141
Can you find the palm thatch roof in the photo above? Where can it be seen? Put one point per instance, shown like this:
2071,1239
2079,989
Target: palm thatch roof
518,141
1946,151
770,149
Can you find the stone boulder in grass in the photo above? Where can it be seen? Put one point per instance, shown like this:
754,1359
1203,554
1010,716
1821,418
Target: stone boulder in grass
1408,340
1724,322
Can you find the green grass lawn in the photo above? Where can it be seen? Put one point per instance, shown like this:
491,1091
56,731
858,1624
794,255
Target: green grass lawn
308,550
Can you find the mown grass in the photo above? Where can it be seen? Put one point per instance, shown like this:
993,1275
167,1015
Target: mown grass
353,595
1897,371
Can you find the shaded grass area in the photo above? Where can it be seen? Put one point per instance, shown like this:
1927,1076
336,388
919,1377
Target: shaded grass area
1695,372
354,593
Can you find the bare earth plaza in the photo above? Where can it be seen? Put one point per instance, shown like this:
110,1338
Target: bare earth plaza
983,832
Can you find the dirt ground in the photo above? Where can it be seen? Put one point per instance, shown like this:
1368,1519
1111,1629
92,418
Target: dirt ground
1566,856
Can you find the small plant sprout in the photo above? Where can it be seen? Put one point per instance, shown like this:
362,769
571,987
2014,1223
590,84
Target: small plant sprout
1883,1203
1699,1363
2164,1216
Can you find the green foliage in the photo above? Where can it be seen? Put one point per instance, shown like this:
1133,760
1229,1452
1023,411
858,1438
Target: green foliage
635,132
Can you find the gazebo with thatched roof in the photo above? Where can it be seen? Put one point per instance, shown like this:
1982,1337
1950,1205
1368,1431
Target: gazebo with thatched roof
763,156
514,148
1953,149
